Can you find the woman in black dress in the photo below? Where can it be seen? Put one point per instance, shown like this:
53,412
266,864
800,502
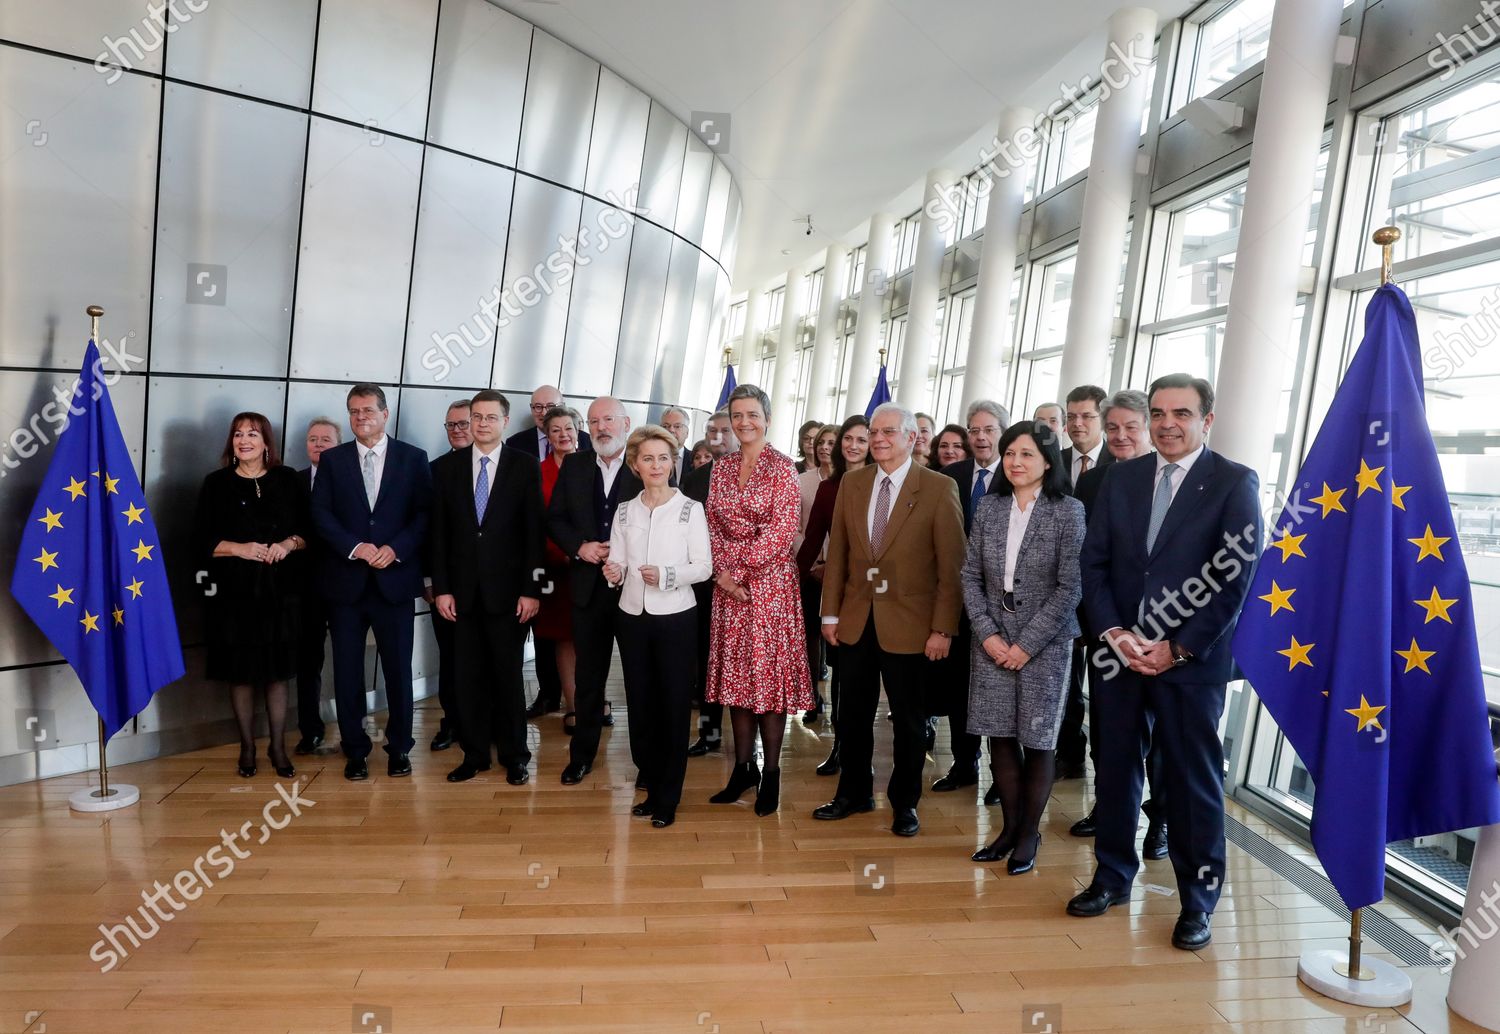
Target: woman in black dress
252,522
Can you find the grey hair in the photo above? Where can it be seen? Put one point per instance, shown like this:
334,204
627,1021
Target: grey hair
1128,398
908,418
338,432
750,391
675,409
994,409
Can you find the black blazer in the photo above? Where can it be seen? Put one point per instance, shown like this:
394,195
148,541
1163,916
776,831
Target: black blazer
486,567
343,519
1105,459
526,441
1204,558
963,473
572,518
695,484
1087,489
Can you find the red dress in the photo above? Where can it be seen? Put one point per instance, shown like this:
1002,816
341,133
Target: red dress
554,620
757,654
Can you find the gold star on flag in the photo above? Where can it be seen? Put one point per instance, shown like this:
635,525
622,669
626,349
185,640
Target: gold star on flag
110,483
1428,545
119,613
1331,499
135,589
1279,598
132,515
1366,712
90,622
62,596
1416,657
1397,493
142,551
1289,544
1436,607
1367,478
47,560
51,520
1297,654
74,488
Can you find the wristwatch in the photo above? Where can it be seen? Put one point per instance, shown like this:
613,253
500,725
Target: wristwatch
1180,654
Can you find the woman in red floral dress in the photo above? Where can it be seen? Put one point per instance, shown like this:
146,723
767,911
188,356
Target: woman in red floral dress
757,658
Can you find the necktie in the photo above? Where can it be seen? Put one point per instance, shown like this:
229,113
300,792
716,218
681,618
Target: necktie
372,487
1160,504
546,448
882,514
979,490
1083,464
482,489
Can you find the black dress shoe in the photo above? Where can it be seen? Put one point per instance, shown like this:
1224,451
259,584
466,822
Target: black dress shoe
640,782
355,769
664,818
929,737
443,740
702,745
609,715
1096,900
1084,827
646,807
1192,930
830,765
842,808
1021,859
992,796
308,745
518,775
464,772
996,849
956,779
574,773
540,707
1154,847
905,823
399,765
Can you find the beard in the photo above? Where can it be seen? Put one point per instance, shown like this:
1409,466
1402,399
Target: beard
608,448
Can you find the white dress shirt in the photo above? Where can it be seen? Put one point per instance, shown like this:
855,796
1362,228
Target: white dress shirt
1014,533
610,469
1093,454
493,454
542,441
1179,475
898,478
989,483
673,537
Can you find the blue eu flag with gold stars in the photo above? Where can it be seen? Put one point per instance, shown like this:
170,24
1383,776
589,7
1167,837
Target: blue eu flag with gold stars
90,571
1358,633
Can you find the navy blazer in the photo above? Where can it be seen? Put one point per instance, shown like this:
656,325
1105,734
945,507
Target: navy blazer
1105,459
1195,579
343,519
495,562
963,473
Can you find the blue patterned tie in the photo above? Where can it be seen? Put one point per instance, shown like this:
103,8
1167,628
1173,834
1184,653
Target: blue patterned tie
482,489
978,491
1160,504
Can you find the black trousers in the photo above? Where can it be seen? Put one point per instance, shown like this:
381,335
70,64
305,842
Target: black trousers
348,624
952,699
710,714
443,632
490,690
310,651
548,680
1072,741
594,640
1183,720
659,660
1155,806
863,666
812,628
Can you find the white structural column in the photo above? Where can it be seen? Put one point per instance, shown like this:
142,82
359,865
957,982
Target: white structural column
984,376
1106,198
921,311
825,351
880,255
784,385
1258,340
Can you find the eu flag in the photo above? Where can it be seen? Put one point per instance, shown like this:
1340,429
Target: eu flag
880,396
1358,633
90,571
729,386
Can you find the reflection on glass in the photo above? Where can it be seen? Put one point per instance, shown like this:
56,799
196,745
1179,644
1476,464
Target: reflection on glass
1230,42
1201,254
1057,293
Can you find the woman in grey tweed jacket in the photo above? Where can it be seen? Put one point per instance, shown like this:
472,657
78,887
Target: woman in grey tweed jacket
1021,589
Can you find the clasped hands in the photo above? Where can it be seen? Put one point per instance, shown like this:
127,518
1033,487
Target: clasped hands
1141,655
378,558
731,587
614,574
262,553
1009,656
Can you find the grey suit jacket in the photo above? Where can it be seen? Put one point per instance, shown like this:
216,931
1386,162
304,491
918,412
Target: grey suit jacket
1047,582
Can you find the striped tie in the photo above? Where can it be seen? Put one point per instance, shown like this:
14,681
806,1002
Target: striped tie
882,514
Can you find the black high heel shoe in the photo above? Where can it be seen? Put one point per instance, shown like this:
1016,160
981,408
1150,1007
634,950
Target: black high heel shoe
247,765
997,849
1018,864
768,797
283,767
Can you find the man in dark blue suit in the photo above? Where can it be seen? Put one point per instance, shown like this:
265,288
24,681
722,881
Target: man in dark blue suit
370,506
1167,564
322,435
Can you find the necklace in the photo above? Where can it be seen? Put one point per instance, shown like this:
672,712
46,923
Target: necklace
254,479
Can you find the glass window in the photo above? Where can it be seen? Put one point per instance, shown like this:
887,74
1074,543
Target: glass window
1057,293
1077,142
774,302
1201,247
1231,41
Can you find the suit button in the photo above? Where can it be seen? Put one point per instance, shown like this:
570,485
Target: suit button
481,534
372,522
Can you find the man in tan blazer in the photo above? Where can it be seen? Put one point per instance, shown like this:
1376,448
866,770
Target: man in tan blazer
891,604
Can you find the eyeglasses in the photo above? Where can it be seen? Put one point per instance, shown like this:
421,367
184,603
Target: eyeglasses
542,407
456,425
484,418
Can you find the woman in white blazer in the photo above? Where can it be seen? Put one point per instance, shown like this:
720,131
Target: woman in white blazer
658,547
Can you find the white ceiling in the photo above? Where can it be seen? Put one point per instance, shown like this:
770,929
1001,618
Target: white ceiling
838,107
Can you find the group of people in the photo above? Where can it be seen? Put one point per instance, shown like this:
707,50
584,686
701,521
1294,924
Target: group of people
985,571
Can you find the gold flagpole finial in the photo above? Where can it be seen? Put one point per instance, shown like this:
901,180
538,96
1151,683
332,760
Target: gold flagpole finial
94,312
882,357
1386,237
728,354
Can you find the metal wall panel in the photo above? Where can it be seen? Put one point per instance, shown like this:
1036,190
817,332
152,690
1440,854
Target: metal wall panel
640,317
423,411
661,166
1183,148
692,200
479,80
598,298
75,207
619,141
730,246
375,62
460,254
1057,215
263,48
559,113
671,349
699,347
119,32
226,234
717,209
538,280
358,211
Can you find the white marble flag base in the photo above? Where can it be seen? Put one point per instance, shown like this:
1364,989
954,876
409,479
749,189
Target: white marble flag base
119,795
1387,986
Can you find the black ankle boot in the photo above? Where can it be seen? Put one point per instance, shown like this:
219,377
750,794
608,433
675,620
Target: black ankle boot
768,799
745,776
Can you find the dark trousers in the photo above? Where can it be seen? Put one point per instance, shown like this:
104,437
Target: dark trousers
812,627
594,640
863,667
1072,742
659,662
348,624
952,699
490,690
1154,806
548,681
311,647
442,631
710,715
1186,728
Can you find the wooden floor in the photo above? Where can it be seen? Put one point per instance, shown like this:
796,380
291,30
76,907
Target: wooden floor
415,905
